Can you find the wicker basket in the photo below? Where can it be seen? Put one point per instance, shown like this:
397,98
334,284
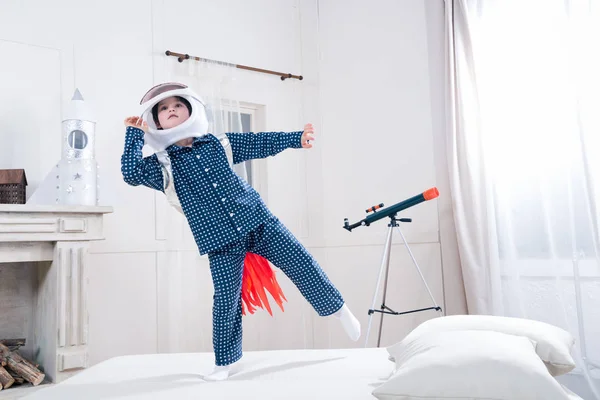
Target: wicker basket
12,186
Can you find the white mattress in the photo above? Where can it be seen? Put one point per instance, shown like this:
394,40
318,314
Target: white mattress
350,374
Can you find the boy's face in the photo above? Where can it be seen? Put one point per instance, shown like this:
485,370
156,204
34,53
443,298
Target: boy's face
171,112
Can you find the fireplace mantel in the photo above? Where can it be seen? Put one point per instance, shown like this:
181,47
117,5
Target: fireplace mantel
59,238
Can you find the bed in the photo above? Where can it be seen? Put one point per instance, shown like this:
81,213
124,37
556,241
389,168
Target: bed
453,357
283,374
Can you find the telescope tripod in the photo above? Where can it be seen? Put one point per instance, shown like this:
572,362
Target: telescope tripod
385,263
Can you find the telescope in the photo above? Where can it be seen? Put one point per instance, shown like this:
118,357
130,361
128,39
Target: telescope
391,211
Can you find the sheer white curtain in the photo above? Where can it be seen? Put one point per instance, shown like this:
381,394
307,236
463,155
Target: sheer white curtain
524,161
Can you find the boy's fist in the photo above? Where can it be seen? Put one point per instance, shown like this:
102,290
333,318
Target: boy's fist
308,136
136,122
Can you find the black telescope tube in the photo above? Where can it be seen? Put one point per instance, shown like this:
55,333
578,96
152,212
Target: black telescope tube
392,210
389,211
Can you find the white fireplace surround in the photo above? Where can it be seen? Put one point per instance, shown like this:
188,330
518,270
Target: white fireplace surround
56,239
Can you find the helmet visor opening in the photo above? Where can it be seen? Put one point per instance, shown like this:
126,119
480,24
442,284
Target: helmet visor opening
159,89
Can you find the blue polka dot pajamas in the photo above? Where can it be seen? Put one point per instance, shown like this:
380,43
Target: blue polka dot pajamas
228,218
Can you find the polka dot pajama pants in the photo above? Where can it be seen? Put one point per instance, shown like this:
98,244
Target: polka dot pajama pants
275,242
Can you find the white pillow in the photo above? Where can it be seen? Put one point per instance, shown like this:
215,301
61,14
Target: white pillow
553,344
461,365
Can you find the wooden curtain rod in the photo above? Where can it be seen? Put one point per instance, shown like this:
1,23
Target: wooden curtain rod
283,76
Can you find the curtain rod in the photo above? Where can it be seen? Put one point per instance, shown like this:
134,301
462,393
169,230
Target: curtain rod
181,57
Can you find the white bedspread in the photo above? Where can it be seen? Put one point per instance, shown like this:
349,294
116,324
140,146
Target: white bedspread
349,374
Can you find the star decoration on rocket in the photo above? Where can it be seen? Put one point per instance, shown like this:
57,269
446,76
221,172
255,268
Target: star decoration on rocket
77,176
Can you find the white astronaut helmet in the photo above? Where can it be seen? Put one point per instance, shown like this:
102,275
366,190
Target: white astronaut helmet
195,126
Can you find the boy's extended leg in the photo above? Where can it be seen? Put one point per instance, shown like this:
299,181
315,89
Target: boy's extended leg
276,243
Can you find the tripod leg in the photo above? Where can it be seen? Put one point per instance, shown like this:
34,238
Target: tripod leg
385,262
419,270
385,284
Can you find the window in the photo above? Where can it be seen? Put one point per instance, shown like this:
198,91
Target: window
250,118
247,127
537,96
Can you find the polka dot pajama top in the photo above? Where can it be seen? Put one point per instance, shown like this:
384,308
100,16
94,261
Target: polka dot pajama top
228,218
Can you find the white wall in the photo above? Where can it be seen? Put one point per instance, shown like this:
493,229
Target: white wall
372,88
381,95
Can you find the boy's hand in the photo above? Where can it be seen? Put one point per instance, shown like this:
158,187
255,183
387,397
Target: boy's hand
136,122
308,136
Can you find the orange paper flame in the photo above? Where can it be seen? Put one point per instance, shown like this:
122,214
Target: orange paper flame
258,276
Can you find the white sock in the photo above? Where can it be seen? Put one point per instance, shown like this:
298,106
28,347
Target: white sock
220,373
349,322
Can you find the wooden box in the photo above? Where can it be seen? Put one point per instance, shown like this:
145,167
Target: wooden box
12,186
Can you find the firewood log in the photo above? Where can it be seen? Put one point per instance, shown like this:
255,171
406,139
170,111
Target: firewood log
24,368
13,344
18,379
6,380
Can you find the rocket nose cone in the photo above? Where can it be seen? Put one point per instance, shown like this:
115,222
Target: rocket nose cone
78,109
77,95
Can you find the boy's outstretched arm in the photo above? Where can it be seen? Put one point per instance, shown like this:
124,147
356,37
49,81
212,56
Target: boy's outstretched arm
136,169
248,146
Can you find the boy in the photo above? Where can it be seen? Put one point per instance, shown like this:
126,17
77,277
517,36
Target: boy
227,216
